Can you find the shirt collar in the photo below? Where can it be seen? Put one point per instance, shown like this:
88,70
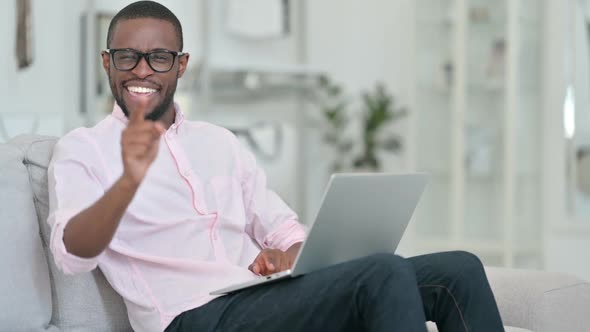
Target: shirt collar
178,119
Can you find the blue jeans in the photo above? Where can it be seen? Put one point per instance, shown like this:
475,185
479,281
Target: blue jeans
382,292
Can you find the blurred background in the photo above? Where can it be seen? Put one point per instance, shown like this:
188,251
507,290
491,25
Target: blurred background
491,98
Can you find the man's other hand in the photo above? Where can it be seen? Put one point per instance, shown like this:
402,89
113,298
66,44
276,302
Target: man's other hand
271,261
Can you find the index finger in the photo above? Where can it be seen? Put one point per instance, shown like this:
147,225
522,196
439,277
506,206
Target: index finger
268,262
138,114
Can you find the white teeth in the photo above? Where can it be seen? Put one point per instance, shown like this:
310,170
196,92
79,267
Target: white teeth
140,89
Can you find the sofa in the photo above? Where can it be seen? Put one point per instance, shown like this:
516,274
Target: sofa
36,296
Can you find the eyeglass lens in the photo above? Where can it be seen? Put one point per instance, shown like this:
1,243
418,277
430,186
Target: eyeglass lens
158,60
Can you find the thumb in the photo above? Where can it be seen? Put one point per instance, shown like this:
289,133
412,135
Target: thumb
159,127
138,114
254,267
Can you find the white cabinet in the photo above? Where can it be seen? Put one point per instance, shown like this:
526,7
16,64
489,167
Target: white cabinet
476,124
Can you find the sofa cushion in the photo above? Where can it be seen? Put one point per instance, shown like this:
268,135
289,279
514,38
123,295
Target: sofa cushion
541,301
25,292
84,302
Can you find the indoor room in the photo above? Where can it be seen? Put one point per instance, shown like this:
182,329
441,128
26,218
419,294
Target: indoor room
486,101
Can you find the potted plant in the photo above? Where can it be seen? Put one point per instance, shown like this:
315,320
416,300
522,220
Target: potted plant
378,110
334,121
358,149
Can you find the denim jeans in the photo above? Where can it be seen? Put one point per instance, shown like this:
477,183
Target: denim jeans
382,292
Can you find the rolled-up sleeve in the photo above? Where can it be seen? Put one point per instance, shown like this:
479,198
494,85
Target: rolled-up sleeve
270,221
73,186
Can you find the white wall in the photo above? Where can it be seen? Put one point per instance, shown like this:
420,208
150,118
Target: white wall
360,42
566,243
37,92
40,85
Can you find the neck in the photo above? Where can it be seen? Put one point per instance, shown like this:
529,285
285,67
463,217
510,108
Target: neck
168,118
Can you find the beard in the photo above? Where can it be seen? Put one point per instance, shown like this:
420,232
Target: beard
157,112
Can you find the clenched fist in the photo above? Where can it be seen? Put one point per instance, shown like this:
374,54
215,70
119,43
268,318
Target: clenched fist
271,261
139,144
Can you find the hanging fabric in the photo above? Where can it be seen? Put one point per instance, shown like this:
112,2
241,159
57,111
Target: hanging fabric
24,44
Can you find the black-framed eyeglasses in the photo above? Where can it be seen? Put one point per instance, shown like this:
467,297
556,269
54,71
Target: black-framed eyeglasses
125,59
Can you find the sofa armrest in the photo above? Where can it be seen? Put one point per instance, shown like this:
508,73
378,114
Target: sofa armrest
541,301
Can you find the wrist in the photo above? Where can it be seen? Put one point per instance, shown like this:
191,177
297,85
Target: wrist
128,182
294,250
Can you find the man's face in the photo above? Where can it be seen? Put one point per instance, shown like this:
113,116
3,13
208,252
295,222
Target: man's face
142,83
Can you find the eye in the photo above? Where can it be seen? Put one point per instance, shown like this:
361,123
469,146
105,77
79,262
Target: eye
126,56
161,57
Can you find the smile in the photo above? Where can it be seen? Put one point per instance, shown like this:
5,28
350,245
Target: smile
141,90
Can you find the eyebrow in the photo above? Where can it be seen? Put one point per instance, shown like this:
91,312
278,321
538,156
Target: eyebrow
150,50
162,49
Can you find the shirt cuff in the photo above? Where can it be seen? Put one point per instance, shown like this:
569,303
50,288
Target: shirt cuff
65,261
286,235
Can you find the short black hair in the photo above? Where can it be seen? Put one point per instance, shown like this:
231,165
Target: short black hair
145,9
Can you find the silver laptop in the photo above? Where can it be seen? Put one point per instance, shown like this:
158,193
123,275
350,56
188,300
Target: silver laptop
360,215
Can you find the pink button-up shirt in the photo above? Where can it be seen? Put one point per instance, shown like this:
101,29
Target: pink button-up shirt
197,221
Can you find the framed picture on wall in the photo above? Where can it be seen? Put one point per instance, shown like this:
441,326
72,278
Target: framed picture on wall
95,94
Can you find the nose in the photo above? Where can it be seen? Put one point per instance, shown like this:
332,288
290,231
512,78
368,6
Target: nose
143,69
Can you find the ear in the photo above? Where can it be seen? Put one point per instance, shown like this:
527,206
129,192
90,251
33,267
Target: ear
106,61
182,63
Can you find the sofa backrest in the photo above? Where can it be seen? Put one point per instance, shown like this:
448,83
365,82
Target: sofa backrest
84,302
25,291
